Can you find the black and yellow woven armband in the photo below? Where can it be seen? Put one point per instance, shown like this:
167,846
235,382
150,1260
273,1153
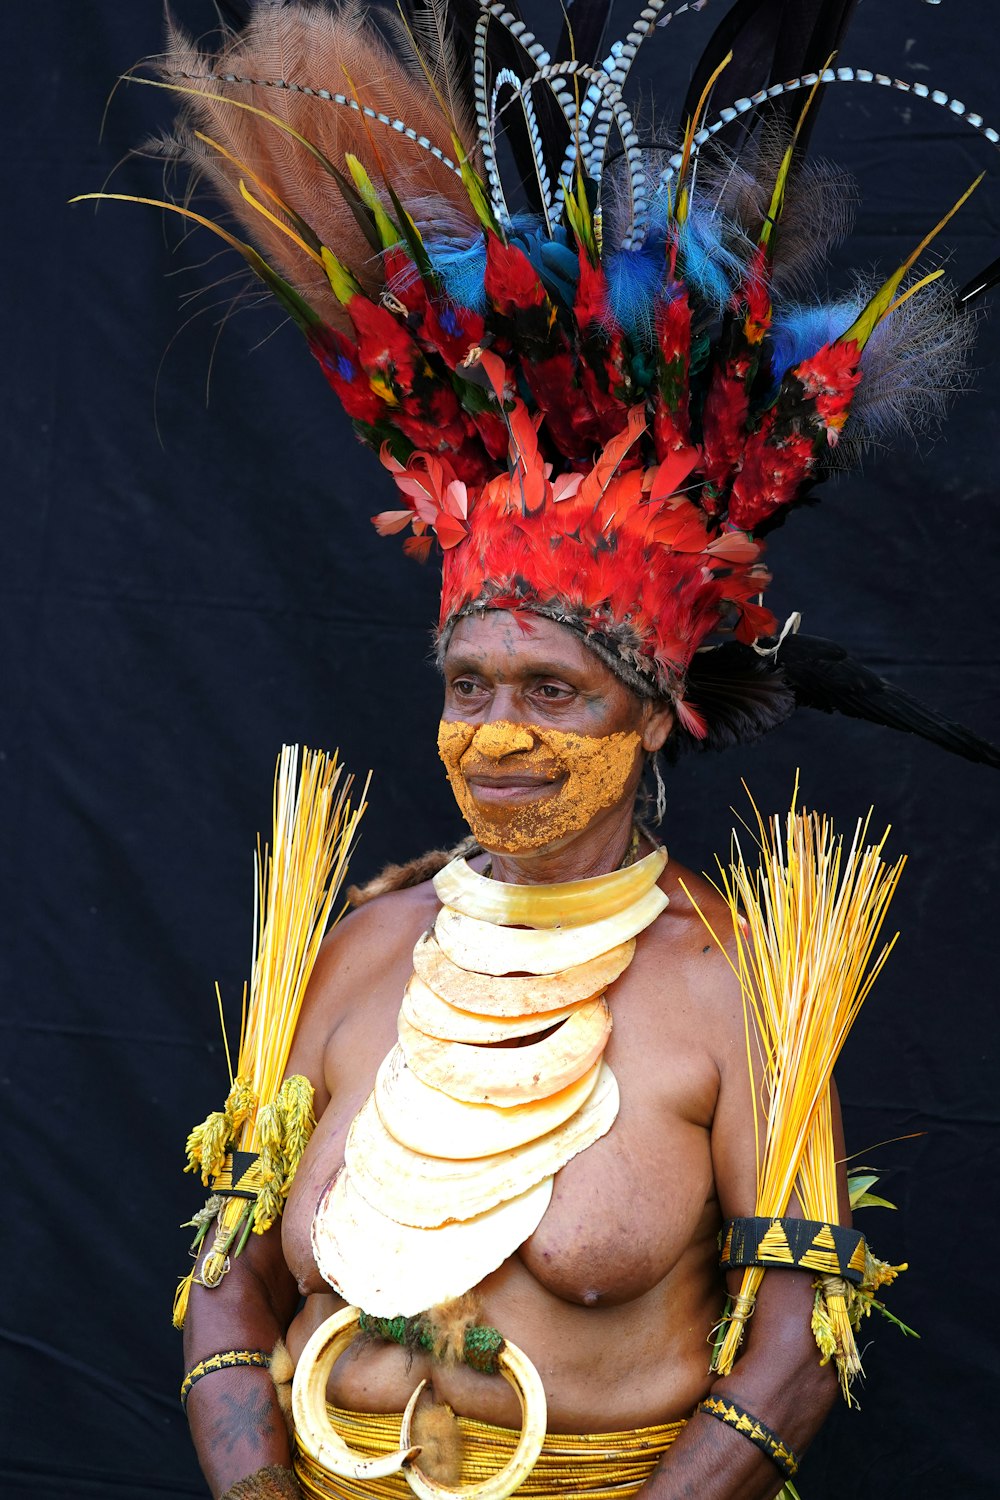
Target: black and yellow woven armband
754,1430
229,1359
241,1176
796,1244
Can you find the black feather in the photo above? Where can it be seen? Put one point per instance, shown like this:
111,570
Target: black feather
587,20
772,40
750,31
741,695
822,675
744,695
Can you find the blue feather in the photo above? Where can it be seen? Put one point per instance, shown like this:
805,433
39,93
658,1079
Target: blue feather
634,279
799,331
712,252
706,261
461,265
462,269
552,257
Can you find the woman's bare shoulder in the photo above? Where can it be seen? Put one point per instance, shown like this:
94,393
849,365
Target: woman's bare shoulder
698,914
693,940
362,946
377,932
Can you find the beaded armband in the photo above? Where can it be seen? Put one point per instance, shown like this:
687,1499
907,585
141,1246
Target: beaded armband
797,1244
230,1359
754,1430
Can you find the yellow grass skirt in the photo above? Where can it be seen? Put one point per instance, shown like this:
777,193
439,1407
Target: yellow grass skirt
594,1466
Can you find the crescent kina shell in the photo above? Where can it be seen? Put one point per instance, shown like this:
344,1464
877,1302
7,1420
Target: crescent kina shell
428,1191
520,995
313,1429
394,1270
436,1017
570,903
429,1122
486,949
510,1075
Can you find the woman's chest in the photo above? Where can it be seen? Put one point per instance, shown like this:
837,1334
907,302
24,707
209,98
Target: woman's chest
622,1212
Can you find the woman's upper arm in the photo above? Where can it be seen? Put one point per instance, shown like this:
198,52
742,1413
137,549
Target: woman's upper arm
322,1009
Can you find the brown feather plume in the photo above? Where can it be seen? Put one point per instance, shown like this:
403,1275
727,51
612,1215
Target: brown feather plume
315,47
426,45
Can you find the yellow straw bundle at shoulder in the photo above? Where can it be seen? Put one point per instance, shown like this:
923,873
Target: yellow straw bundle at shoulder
268,1116
805,927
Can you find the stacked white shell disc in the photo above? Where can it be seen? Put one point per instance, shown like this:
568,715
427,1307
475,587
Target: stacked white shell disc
497,1081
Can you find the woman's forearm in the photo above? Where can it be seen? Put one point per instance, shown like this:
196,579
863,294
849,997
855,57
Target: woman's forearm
779,1381
236,1420
237,1426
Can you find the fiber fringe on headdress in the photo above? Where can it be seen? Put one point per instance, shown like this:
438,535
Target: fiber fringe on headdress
598,385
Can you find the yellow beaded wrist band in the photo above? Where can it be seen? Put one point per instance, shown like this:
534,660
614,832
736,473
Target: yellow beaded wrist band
752,1428
230,1359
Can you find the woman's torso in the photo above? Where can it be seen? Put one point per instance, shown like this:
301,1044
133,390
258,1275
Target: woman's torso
615,1294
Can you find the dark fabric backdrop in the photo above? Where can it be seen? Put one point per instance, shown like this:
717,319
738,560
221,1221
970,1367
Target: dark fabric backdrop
176,606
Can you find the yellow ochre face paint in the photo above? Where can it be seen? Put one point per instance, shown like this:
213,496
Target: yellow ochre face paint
564,778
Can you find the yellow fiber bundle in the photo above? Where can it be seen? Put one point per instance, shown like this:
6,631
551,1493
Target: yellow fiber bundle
805,960
296,883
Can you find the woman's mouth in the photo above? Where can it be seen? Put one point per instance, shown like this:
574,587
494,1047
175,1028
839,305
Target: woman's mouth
512,789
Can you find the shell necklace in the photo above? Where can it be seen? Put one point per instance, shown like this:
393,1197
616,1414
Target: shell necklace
449,1163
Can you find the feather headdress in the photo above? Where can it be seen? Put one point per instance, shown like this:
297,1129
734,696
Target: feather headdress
597,385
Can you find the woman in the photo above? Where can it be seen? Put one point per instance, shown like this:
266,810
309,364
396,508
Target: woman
615,1294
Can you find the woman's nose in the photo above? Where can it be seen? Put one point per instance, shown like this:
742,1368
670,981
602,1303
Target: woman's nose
502,737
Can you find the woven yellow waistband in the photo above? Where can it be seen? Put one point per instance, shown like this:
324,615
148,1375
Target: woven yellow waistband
593,1465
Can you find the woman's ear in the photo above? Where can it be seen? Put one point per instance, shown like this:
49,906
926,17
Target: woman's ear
658,719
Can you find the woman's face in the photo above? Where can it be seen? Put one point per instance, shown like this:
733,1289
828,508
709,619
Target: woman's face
540,739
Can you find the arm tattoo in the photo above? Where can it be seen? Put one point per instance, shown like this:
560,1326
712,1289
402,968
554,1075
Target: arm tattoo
243,1419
